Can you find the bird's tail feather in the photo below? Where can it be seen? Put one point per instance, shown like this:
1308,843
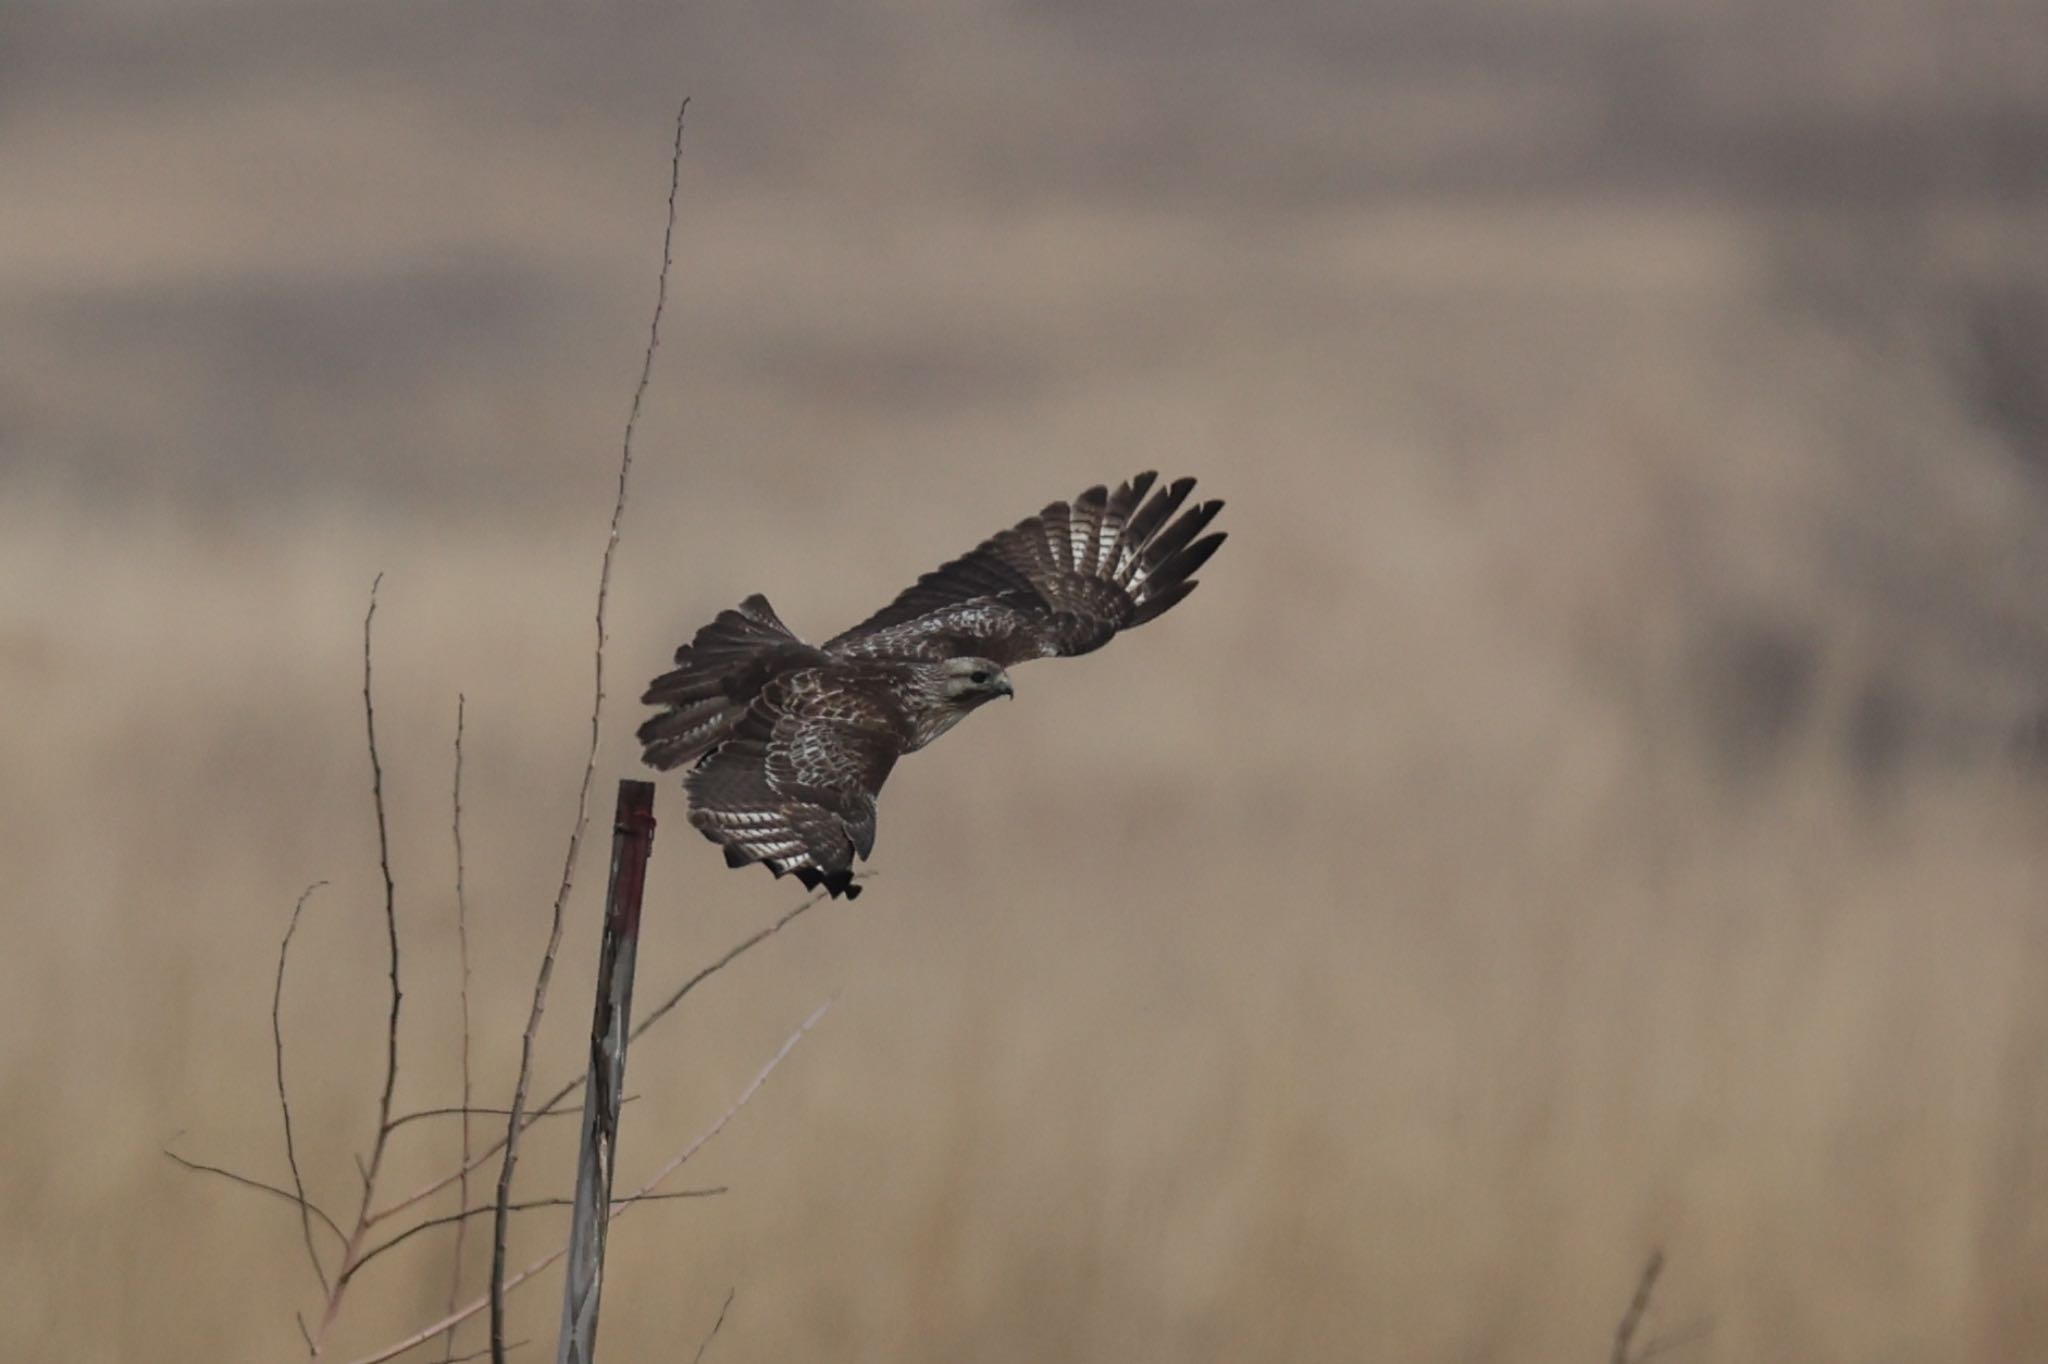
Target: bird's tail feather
709,690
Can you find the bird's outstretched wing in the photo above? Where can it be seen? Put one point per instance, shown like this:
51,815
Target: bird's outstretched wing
795,786
1061,582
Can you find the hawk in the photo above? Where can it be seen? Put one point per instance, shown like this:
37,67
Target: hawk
793,741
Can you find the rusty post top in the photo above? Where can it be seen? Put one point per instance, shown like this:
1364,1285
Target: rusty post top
632,844
636,807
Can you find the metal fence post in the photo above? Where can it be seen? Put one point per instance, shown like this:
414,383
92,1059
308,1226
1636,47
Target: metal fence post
632,840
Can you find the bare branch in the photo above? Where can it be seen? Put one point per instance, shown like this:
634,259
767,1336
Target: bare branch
552,1106
604,578
1698,1330
462,957
1625,1333
390,907
304,1334
712,1334
459,1219
382,1140
468,1310
479,1354
284,1104
460,1315
676,1161
200,1167
676,997
478,1111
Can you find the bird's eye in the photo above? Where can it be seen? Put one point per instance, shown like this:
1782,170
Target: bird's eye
978,678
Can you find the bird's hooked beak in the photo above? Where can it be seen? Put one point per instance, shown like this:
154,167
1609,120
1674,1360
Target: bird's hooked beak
1003,686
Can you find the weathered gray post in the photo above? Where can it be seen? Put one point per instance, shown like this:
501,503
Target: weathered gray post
610,1024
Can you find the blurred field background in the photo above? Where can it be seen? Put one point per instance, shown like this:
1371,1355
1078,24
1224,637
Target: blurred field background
1594,803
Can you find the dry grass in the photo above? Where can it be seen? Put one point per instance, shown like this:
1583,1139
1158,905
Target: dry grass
1577,814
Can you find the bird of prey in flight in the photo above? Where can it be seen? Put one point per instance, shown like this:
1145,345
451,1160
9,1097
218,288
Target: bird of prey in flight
793,741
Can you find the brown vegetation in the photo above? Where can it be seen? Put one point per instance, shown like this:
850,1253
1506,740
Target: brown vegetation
1593,803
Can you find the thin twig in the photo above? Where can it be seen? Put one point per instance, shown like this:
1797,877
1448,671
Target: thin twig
552,1106
459,1219
462,957
604,579
468,1310
1686,1335
304,1334
284,1104
381,1142
676,997
200,1167
460,1315
477,1111
390,909
1625,1333
676,1161
479,1354
712,1334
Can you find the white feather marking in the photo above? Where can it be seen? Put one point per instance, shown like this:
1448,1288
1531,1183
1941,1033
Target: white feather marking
1127,555
1105,542
1052,541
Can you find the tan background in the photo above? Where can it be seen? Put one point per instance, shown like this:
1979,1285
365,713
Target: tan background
1592,804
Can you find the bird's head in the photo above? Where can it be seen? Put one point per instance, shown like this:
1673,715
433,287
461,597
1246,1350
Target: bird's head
970,681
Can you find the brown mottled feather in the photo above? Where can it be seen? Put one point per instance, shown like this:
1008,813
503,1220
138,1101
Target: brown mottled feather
792,742
795,787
